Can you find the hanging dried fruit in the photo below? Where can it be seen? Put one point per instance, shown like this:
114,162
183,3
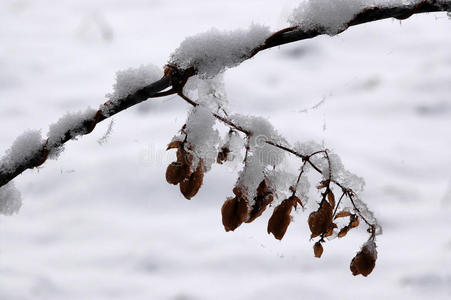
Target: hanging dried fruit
234,212
365,260
318,249
176,173
264,197
320,222
280,219
189,187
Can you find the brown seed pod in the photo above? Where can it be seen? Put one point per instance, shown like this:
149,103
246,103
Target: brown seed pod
189,187
331,198
343,214
318,249
176,173
280,219
321,221
264,197
234,212
365,261
344,231
223,155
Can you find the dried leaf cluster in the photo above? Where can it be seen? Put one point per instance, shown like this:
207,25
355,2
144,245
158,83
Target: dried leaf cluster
246,204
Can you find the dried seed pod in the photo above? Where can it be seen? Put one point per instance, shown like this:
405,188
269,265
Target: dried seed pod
318,249
189,187
176,173
343,214
280,219
344,231
184,157
321,221
223,155
365,260
264,197
331,198
234,212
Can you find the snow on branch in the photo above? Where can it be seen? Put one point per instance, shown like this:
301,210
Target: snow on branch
196,65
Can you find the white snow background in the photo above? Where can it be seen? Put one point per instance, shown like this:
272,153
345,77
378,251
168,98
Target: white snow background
102,223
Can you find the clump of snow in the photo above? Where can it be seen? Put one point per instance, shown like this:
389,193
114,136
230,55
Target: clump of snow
307,148
212,93
249,179
341,175
260,154
261,131
213,51
333,15
10,200
366,212
70,125
209,92
133,79
235,143
282,181
370,248
24,148
202,138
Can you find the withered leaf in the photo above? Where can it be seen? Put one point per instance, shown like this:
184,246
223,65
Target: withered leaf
234,212
176,173
280,219
321,186
331,198
343,214
321,221
343,231
264,197
318,249
363,263
191,186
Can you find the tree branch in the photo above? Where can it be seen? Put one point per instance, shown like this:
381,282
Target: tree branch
176,78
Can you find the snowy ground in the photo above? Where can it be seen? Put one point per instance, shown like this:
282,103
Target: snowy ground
102,223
